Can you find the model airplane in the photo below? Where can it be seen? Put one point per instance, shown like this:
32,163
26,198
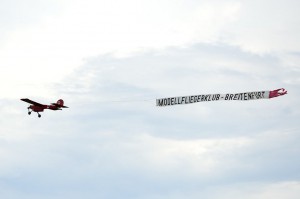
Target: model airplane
37,107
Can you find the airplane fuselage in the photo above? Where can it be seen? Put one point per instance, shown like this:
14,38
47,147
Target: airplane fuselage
42,108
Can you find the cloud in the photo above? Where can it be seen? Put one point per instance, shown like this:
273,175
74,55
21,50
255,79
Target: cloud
56,42
113,142
280,190
266,27
132,149
53,42
43,48
199,69
98,162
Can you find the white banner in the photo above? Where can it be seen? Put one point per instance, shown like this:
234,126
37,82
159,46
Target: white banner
217,97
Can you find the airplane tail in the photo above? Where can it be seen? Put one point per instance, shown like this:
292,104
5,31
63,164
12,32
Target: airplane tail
60,104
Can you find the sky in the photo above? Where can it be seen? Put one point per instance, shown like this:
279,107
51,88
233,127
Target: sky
110,60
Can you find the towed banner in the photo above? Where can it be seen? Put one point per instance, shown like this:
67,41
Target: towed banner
217,97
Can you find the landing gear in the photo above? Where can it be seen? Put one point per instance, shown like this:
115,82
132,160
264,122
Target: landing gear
29,112
35,109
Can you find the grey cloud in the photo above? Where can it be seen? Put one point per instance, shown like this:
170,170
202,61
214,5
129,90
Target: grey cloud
132,149
199,69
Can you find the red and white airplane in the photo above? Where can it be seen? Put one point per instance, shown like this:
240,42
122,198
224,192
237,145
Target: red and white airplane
37,107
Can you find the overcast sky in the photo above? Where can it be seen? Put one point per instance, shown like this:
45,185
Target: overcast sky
110,60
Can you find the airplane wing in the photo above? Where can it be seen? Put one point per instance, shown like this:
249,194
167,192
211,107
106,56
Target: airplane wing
31,102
